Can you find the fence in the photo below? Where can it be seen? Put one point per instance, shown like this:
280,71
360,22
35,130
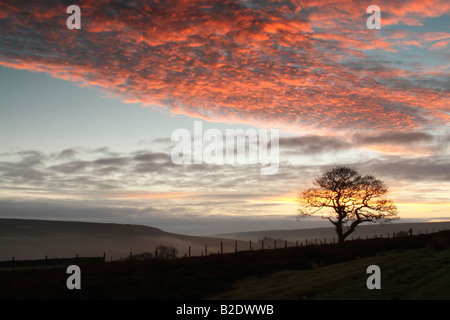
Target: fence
278,244
261,244
48,263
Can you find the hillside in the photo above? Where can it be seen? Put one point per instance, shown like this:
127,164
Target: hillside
363,231
310,272
35,239
346,281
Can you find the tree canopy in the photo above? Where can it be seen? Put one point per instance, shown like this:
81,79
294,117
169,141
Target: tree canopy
347,199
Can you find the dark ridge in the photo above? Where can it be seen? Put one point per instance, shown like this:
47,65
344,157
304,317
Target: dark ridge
29,226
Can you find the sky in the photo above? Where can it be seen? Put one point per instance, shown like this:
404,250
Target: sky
87,115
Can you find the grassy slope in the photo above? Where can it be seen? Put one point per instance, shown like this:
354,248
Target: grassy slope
409,274
415,267
34,239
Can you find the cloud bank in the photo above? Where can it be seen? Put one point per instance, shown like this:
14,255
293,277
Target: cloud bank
300,65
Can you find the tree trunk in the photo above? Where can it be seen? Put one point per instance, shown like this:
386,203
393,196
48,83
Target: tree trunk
340,232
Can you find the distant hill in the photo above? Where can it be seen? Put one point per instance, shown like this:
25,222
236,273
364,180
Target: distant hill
363,231
35,239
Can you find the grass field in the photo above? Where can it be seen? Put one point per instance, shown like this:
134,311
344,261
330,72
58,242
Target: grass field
408,274
413,267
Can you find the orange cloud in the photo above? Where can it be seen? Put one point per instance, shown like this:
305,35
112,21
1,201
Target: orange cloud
298,64
439,45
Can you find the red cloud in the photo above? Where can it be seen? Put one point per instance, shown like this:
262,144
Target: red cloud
439,45
298,65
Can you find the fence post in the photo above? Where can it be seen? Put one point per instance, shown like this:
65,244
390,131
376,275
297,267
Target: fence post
189,252
262,244
296,243
325,240
12,265
306,242
45,262
104,256
221,247
235,246
275,244
250,245
206,250
315,241
285,244
156,254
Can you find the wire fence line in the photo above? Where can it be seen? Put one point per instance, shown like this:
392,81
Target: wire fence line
163,252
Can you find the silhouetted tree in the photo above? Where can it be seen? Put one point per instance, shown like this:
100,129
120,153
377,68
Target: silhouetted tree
166,252
347,198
